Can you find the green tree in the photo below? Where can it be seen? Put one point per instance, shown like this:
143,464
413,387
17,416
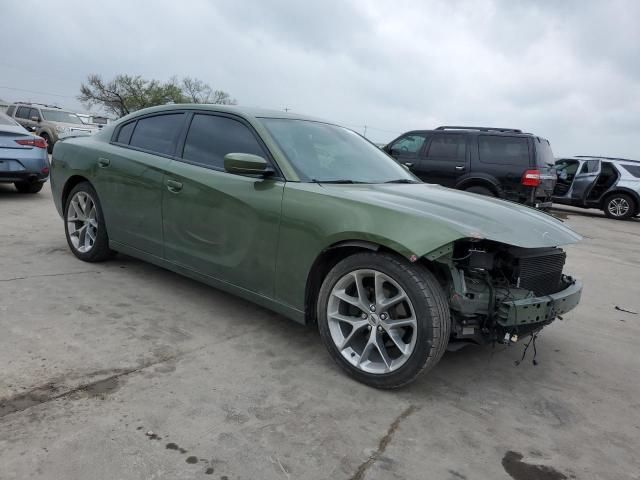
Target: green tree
125,93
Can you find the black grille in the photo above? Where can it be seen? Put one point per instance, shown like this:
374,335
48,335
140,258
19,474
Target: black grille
539,270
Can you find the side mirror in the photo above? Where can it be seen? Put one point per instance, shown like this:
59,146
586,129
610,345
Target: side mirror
246,164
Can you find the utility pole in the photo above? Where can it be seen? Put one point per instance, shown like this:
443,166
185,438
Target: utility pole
286,109
365,131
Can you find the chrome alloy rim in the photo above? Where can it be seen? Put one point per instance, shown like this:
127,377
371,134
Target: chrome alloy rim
82,224
372,321
618,207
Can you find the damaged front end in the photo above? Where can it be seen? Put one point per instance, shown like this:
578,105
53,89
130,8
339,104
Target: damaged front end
500,292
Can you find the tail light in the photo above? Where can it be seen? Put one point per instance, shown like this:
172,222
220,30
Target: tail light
33,142
531,178
45,171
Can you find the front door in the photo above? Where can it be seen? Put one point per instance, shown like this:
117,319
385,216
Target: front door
216,223
129,180
406,150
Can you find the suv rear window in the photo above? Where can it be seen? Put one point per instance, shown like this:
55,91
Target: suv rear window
544,155
503,150
158,134
10,110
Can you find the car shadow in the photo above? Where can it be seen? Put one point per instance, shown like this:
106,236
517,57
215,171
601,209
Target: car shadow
565,213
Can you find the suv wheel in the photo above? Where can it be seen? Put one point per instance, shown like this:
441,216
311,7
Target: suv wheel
383,319
84,224
619,206
480,191
48,140
28,187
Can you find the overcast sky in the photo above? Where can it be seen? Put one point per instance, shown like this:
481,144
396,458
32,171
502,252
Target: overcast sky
565,70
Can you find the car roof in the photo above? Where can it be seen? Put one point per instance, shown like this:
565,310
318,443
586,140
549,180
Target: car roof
511,132
598,157
242,111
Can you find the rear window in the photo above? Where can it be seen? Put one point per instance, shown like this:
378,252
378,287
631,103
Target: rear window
124,135
544,155
448,147
10,110
23,112
158,134
633,170
503,150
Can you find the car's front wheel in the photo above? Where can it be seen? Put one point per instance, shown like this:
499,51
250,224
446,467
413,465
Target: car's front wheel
84,224
384,320
619,206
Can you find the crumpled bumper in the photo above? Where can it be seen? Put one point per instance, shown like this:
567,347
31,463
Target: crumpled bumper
540,310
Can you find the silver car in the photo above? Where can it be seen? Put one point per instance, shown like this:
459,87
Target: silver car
609,184
23,157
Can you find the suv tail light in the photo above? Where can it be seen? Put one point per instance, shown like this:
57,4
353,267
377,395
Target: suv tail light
33,142
531,178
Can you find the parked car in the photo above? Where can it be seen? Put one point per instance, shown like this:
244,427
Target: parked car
23,157
49,122
313,221
609,184
495,162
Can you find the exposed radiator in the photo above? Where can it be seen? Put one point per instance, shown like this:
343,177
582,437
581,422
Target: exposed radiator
539,269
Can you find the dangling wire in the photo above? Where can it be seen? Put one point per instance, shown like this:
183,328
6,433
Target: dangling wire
532,341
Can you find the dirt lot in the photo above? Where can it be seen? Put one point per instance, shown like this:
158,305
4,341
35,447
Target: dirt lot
122,370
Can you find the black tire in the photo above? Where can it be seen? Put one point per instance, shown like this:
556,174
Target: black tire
48,140
100,250
28,187
431,310
480,191
620,198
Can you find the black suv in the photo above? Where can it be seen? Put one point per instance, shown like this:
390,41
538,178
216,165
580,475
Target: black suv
498,162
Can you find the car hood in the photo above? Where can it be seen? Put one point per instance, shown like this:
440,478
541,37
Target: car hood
468,214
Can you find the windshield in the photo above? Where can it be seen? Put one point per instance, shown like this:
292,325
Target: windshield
327,153
61,116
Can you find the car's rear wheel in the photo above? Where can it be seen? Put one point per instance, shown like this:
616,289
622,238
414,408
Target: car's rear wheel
477,189
619,206
384,320
84,224
28,187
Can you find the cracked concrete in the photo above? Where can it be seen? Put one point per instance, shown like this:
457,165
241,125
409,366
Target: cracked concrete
247,394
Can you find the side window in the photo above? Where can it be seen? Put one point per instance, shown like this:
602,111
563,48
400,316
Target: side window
34,113
10,110
448,147
590,166
504,150
23,112
633,170
124,135
158,134
409,145
211,137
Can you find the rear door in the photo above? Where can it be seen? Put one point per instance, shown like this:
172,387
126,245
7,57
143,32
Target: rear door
129,179
217,223
584,181
407,148
444,160
545,163
505,158
22,116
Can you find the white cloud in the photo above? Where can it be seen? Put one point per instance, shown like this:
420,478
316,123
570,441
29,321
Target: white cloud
564,70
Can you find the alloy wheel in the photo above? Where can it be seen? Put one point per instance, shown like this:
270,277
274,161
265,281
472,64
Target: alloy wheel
82,223
372,321
618,207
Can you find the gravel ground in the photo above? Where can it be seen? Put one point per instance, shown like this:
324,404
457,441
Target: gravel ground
122,370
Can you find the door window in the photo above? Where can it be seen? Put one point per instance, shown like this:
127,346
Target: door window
124,135
409,145
590,166
158,134
211,137
10,110
34,113
23,112
504,150
448,147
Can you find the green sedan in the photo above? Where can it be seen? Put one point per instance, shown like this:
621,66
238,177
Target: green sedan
311,220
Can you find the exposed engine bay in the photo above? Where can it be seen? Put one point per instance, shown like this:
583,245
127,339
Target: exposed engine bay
499,292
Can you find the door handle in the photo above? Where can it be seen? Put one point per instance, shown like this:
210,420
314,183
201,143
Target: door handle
459,167
409,164
104,162
173,186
